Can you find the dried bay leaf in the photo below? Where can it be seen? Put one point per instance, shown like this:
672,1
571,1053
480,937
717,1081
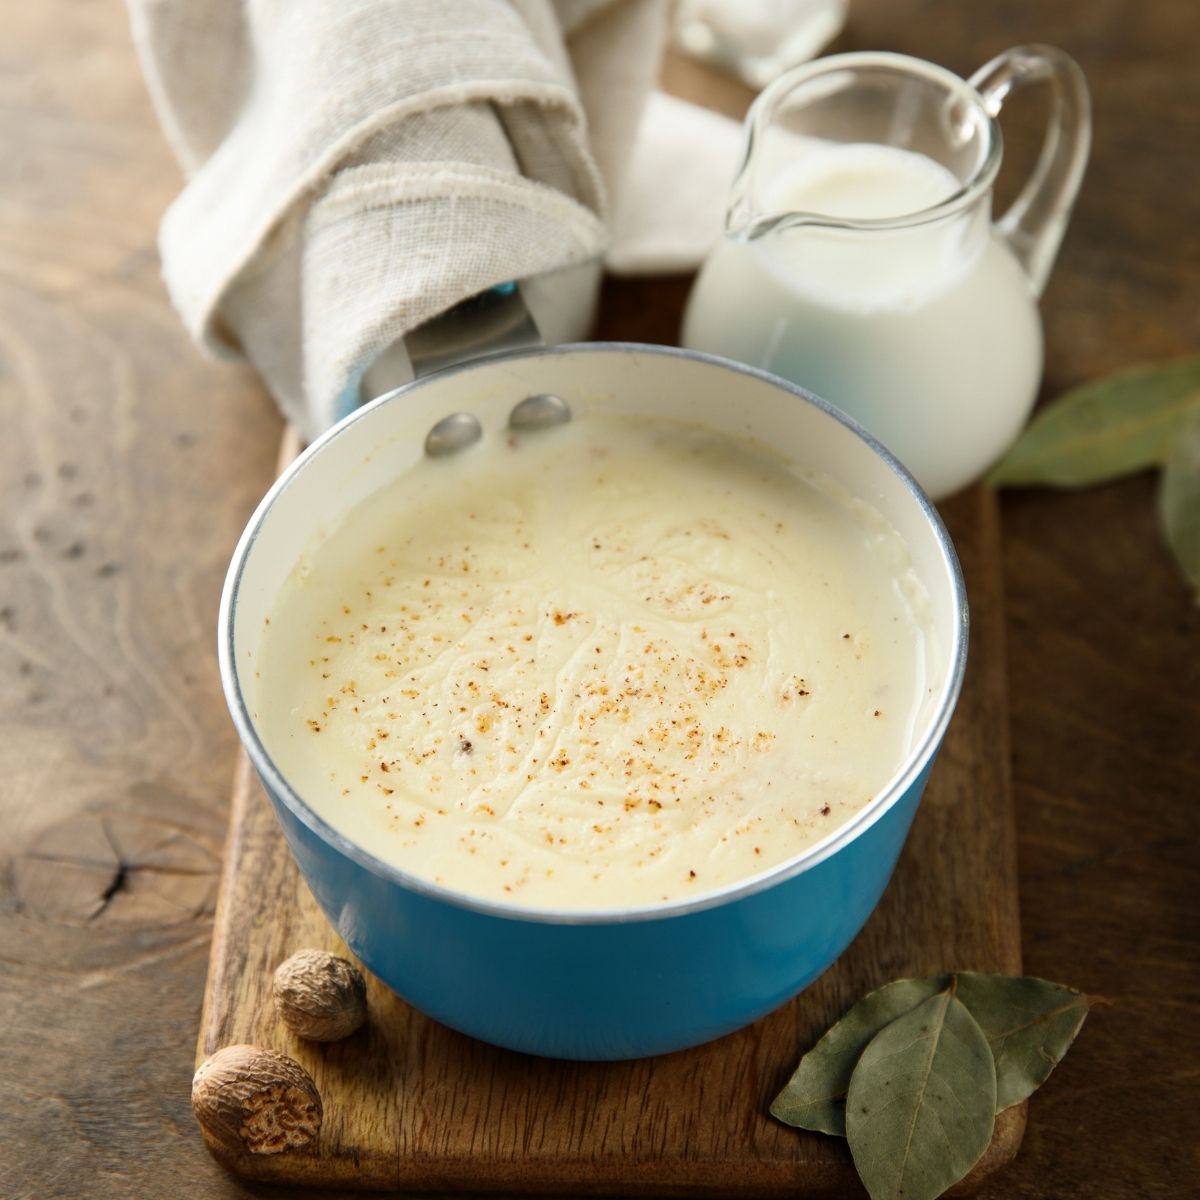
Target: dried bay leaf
1179,500
815,1096
921,1105
1114,426
1029,1024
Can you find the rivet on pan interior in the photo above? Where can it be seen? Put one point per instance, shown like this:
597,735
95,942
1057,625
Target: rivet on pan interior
452,434
539,412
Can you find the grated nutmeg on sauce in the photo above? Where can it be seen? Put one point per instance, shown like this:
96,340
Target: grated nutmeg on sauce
633,662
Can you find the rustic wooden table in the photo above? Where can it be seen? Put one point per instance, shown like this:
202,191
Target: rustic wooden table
128,465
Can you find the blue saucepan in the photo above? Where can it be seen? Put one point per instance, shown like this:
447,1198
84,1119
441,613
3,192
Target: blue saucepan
625,982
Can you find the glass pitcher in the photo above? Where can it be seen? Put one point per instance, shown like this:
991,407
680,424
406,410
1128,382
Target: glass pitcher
861,261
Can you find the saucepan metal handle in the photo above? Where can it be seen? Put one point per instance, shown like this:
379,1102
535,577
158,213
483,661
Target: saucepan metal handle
488,323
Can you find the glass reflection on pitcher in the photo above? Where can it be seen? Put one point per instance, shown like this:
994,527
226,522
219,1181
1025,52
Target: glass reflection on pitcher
861,261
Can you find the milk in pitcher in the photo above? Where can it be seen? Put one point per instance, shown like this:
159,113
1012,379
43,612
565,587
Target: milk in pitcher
926,332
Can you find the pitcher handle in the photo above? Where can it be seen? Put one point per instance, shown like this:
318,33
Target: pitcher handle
1036,221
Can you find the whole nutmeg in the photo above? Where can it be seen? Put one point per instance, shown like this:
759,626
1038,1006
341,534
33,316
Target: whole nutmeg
250,1099
320,996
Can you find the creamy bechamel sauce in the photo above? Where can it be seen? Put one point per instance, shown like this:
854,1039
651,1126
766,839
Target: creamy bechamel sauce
618,662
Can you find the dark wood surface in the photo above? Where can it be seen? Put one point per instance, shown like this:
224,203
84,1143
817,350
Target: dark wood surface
128,466
410,1104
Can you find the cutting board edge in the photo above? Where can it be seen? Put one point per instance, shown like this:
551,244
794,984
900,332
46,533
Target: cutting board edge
637,1179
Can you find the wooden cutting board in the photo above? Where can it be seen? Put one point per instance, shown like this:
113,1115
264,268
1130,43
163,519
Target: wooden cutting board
412,1106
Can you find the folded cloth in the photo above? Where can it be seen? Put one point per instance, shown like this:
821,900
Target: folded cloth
357,166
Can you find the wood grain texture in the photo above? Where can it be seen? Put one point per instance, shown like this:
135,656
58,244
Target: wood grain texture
411,1105
117,435
127,465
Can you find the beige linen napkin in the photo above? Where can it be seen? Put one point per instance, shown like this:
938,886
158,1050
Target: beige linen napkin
357,166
